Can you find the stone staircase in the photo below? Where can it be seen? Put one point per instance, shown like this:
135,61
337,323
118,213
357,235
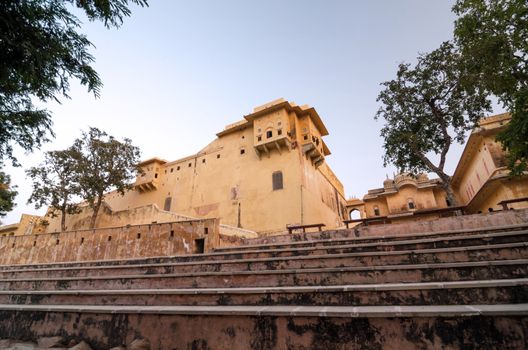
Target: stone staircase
451,289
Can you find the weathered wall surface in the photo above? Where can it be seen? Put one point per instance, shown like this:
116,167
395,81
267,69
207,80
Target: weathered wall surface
202,332
499,218
111,243
484,220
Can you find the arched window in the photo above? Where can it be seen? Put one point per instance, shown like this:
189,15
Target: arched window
410,204
376,211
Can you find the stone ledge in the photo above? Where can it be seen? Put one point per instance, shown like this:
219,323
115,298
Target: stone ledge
295,289
285,271
289,311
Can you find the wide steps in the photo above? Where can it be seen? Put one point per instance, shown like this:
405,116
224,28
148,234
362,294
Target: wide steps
506,251
457,289
501,269
508,291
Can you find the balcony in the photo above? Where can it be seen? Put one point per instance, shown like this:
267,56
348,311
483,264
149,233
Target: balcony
311,151
146,183
280,144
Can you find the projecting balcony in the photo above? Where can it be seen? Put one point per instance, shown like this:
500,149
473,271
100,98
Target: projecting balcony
146,183
281,143
312,152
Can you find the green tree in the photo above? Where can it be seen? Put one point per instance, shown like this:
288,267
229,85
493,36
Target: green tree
104,164
55,183
493,37
41,51
7,194
426,109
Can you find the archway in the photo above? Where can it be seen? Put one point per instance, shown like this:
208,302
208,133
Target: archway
354,214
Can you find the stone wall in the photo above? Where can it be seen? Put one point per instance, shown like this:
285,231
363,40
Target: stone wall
499,218
127,242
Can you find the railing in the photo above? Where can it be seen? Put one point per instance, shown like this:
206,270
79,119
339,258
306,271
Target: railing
509,201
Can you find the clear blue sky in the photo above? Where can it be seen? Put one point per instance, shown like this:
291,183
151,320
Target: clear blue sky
178,71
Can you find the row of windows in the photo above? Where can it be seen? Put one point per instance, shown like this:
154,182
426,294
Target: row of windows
269,134
410,206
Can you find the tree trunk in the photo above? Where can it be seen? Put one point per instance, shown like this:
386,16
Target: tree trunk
63,219
453,202
95,212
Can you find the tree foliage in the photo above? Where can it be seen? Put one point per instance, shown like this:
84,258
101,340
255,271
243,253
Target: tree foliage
7,194
55,183
103,164
426,109
493,37
41,50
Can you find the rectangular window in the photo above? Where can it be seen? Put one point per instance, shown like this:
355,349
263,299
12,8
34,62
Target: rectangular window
242,151
277,181
269,134
167,205
279,132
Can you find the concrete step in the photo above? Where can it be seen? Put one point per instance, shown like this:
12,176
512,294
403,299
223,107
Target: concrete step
506,251
510,291
439,272
352,239
276,327
408,244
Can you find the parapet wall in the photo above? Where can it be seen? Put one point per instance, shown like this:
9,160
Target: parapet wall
494,219
127,242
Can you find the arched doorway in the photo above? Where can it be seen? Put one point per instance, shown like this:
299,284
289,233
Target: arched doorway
354,214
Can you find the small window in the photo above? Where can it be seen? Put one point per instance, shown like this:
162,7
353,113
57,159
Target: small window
277,180
279,132
34,243
167,204
410,203
82,240
306,137
269,134
259,138
57,242
139,236
206,230
243,137
172,170
109,238
203,160
376,211
217,156
242,151
178,168
172,234
190,165
156,176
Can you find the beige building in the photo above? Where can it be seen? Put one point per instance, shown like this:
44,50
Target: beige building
481,182
28,224
261,173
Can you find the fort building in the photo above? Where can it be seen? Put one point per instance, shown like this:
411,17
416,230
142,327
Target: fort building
481,183
261,173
